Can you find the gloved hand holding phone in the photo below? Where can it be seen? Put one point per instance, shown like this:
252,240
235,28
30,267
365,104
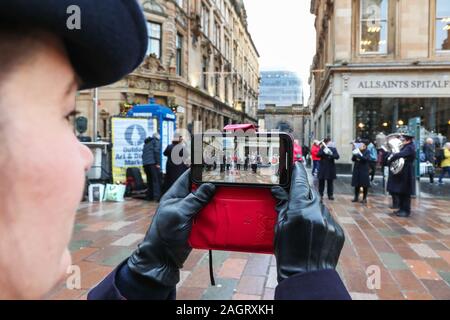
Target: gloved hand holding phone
306,236
165,248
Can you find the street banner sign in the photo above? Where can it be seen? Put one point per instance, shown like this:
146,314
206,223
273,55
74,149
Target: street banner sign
128,136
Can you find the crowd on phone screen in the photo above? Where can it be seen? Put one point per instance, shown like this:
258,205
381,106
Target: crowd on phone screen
233,163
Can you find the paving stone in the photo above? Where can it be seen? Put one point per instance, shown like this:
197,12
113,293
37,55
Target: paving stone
232,268
407,280
189,293
415,230
241,296
128,240
117,225
252,285
438,289
445,276
418,295
389,233
92,274
118,258
444,231
219,258
224,290
347,220
79,244
269,294
78,227
422,270
82,254
393,261
272,281
257,265
423,250
445,255
183,276
363,296
199,278
67,294
194,259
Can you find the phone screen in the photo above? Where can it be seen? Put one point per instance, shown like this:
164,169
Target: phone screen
258,159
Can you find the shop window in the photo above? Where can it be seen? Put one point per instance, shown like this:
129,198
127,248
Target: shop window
442,25
383,116
374,15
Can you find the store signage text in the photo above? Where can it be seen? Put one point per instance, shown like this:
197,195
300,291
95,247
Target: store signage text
404,84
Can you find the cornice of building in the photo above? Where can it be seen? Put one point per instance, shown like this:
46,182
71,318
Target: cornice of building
241,12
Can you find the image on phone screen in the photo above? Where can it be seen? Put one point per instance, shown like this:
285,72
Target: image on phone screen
247,160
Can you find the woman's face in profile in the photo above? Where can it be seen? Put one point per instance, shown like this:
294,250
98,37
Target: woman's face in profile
42,167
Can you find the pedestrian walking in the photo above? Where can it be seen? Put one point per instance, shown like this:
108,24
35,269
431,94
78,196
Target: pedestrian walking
328,154
445,164
176,155
315,157
360,177
151,160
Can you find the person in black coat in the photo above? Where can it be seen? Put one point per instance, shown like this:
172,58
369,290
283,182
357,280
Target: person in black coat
327,168
402,185
395,201
361,168
175,166
151,160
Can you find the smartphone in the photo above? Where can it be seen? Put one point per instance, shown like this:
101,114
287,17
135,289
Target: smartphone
242,159
241,216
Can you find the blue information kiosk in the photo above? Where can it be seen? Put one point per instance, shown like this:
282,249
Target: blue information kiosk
164,120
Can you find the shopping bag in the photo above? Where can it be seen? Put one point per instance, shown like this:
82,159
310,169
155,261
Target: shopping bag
115,192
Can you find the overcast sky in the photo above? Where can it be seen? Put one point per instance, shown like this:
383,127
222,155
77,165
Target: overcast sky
284,34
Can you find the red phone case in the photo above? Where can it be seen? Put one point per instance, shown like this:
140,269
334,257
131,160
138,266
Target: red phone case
237,219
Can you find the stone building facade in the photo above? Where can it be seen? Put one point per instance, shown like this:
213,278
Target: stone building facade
379,63
201,62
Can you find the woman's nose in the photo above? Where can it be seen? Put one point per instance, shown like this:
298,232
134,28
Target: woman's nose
87,156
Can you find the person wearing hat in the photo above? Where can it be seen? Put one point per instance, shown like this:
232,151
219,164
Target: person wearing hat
327,168
44,60
360,174
402,185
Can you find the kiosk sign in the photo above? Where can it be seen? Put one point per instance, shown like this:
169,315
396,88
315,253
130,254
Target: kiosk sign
128,136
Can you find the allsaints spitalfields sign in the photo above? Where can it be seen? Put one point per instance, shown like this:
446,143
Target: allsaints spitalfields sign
404,84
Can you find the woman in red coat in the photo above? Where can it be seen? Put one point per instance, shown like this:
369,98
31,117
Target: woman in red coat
314,156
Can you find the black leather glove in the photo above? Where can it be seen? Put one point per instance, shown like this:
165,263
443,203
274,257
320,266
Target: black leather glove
165,248
306,236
